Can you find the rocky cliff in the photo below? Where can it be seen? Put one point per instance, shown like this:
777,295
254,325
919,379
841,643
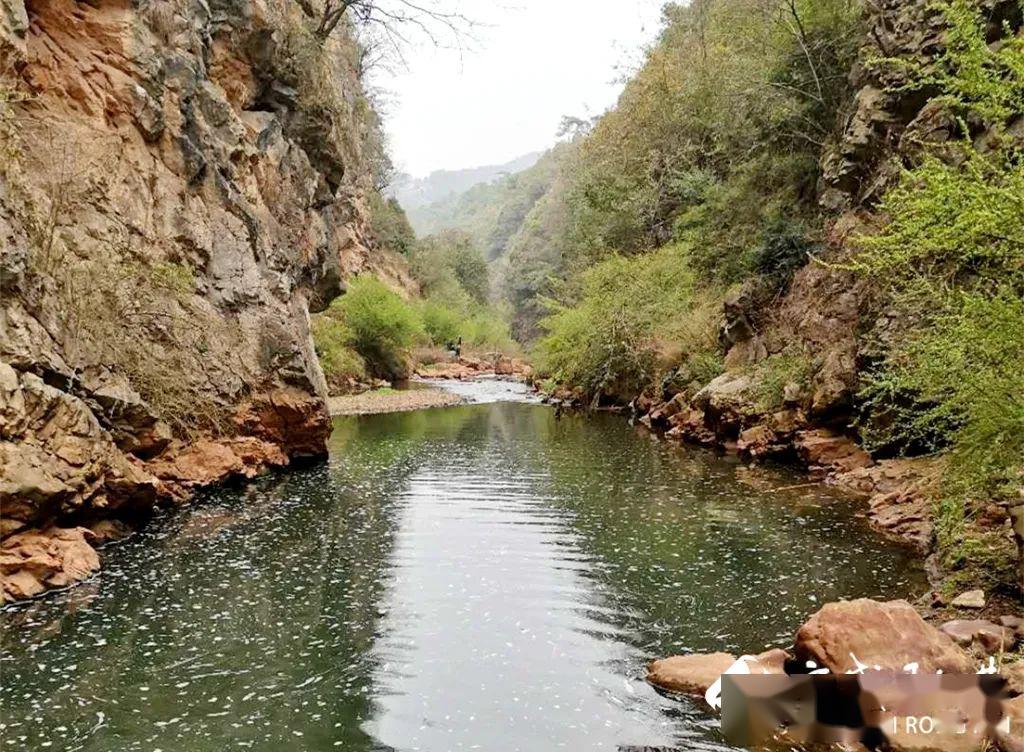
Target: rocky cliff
182,183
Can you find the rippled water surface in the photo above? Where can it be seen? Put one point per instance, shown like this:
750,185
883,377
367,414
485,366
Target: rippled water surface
482,577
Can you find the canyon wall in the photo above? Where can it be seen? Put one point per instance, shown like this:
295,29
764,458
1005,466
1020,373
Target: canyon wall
182,183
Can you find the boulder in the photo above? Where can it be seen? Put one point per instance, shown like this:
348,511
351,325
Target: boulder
887,635
123,412
294,420
504,367
55,457
830,450
689,674
694,674
906,514
1014,675
758,442
1013,622
988,637
726,404
1014,740
206,462
35,561
690,425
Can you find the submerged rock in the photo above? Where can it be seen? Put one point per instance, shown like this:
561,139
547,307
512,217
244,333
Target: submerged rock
694,674
689,674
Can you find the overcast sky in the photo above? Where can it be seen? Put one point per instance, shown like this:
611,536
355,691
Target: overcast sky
532,61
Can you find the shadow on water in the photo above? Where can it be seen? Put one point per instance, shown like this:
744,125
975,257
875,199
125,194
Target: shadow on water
476,577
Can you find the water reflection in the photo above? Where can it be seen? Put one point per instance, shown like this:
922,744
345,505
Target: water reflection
480,577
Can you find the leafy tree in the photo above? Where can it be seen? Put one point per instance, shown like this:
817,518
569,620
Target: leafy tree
382,327
390,225
449,261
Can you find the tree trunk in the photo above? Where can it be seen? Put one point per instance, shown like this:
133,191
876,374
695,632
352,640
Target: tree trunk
1017,515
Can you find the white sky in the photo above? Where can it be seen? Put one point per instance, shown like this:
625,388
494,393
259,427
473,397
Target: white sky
530,63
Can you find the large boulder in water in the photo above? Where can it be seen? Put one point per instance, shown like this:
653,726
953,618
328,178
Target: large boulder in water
694,674
689,674
887,635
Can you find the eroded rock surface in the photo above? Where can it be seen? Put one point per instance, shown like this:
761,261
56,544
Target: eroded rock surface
175,206
848,635
35,561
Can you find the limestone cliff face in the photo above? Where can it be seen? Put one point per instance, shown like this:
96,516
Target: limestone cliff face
181,184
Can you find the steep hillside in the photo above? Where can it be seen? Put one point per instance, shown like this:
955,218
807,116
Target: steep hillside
444,185
798,234
182,184
491,212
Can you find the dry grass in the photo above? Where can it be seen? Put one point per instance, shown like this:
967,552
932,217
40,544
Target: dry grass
114,305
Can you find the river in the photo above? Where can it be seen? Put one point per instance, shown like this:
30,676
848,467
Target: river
489,577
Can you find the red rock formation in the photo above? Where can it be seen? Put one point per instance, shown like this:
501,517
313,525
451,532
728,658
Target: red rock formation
890,635
170,214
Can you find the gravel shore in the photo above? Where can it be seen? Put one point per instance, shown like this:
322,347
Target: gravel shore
390,401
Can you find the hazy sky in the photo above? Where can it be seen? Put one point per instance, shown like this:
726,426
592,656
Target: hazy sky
532,61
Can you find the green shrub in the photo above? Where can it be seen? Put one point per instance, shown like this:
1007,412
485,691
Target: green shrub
956,222
381,326
339,360
776,373
441,322
390,225
965,374
612,340
952,254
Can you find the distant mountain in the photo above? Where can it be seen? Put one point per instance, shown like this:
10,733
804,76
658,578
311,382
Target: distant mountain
441,185
491,212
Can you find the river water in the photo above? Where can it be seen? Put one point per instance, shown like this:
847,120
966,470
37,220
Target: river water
486,577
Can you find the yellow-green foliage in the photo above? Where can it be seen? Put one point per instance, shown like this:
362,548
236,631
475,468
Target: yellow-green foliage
960,380
389,224
973,76
376,323
455,281
952,220
715,142
953,255
778,371
341,363
612,340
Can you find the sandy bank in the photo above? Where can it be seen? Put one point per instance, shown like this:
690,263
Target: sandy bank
390,401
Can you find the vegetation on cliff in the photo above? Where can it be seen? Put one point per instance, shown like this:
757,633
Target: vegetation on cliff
374,332
951,253
713,151
726,174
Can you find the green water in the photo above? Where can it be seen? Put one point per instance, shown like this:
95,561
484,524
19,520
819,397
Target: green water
483,577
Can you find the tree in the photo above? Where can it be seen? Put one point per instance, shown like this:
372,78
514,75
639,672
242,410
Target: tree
389,16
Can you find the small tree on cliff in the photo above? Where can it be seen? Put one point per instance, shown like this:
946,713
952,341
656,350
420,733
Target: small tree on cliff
389,17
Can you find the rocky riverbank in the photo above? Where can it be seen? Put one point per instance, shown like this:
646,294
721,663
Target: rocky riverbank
850,636
467,367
